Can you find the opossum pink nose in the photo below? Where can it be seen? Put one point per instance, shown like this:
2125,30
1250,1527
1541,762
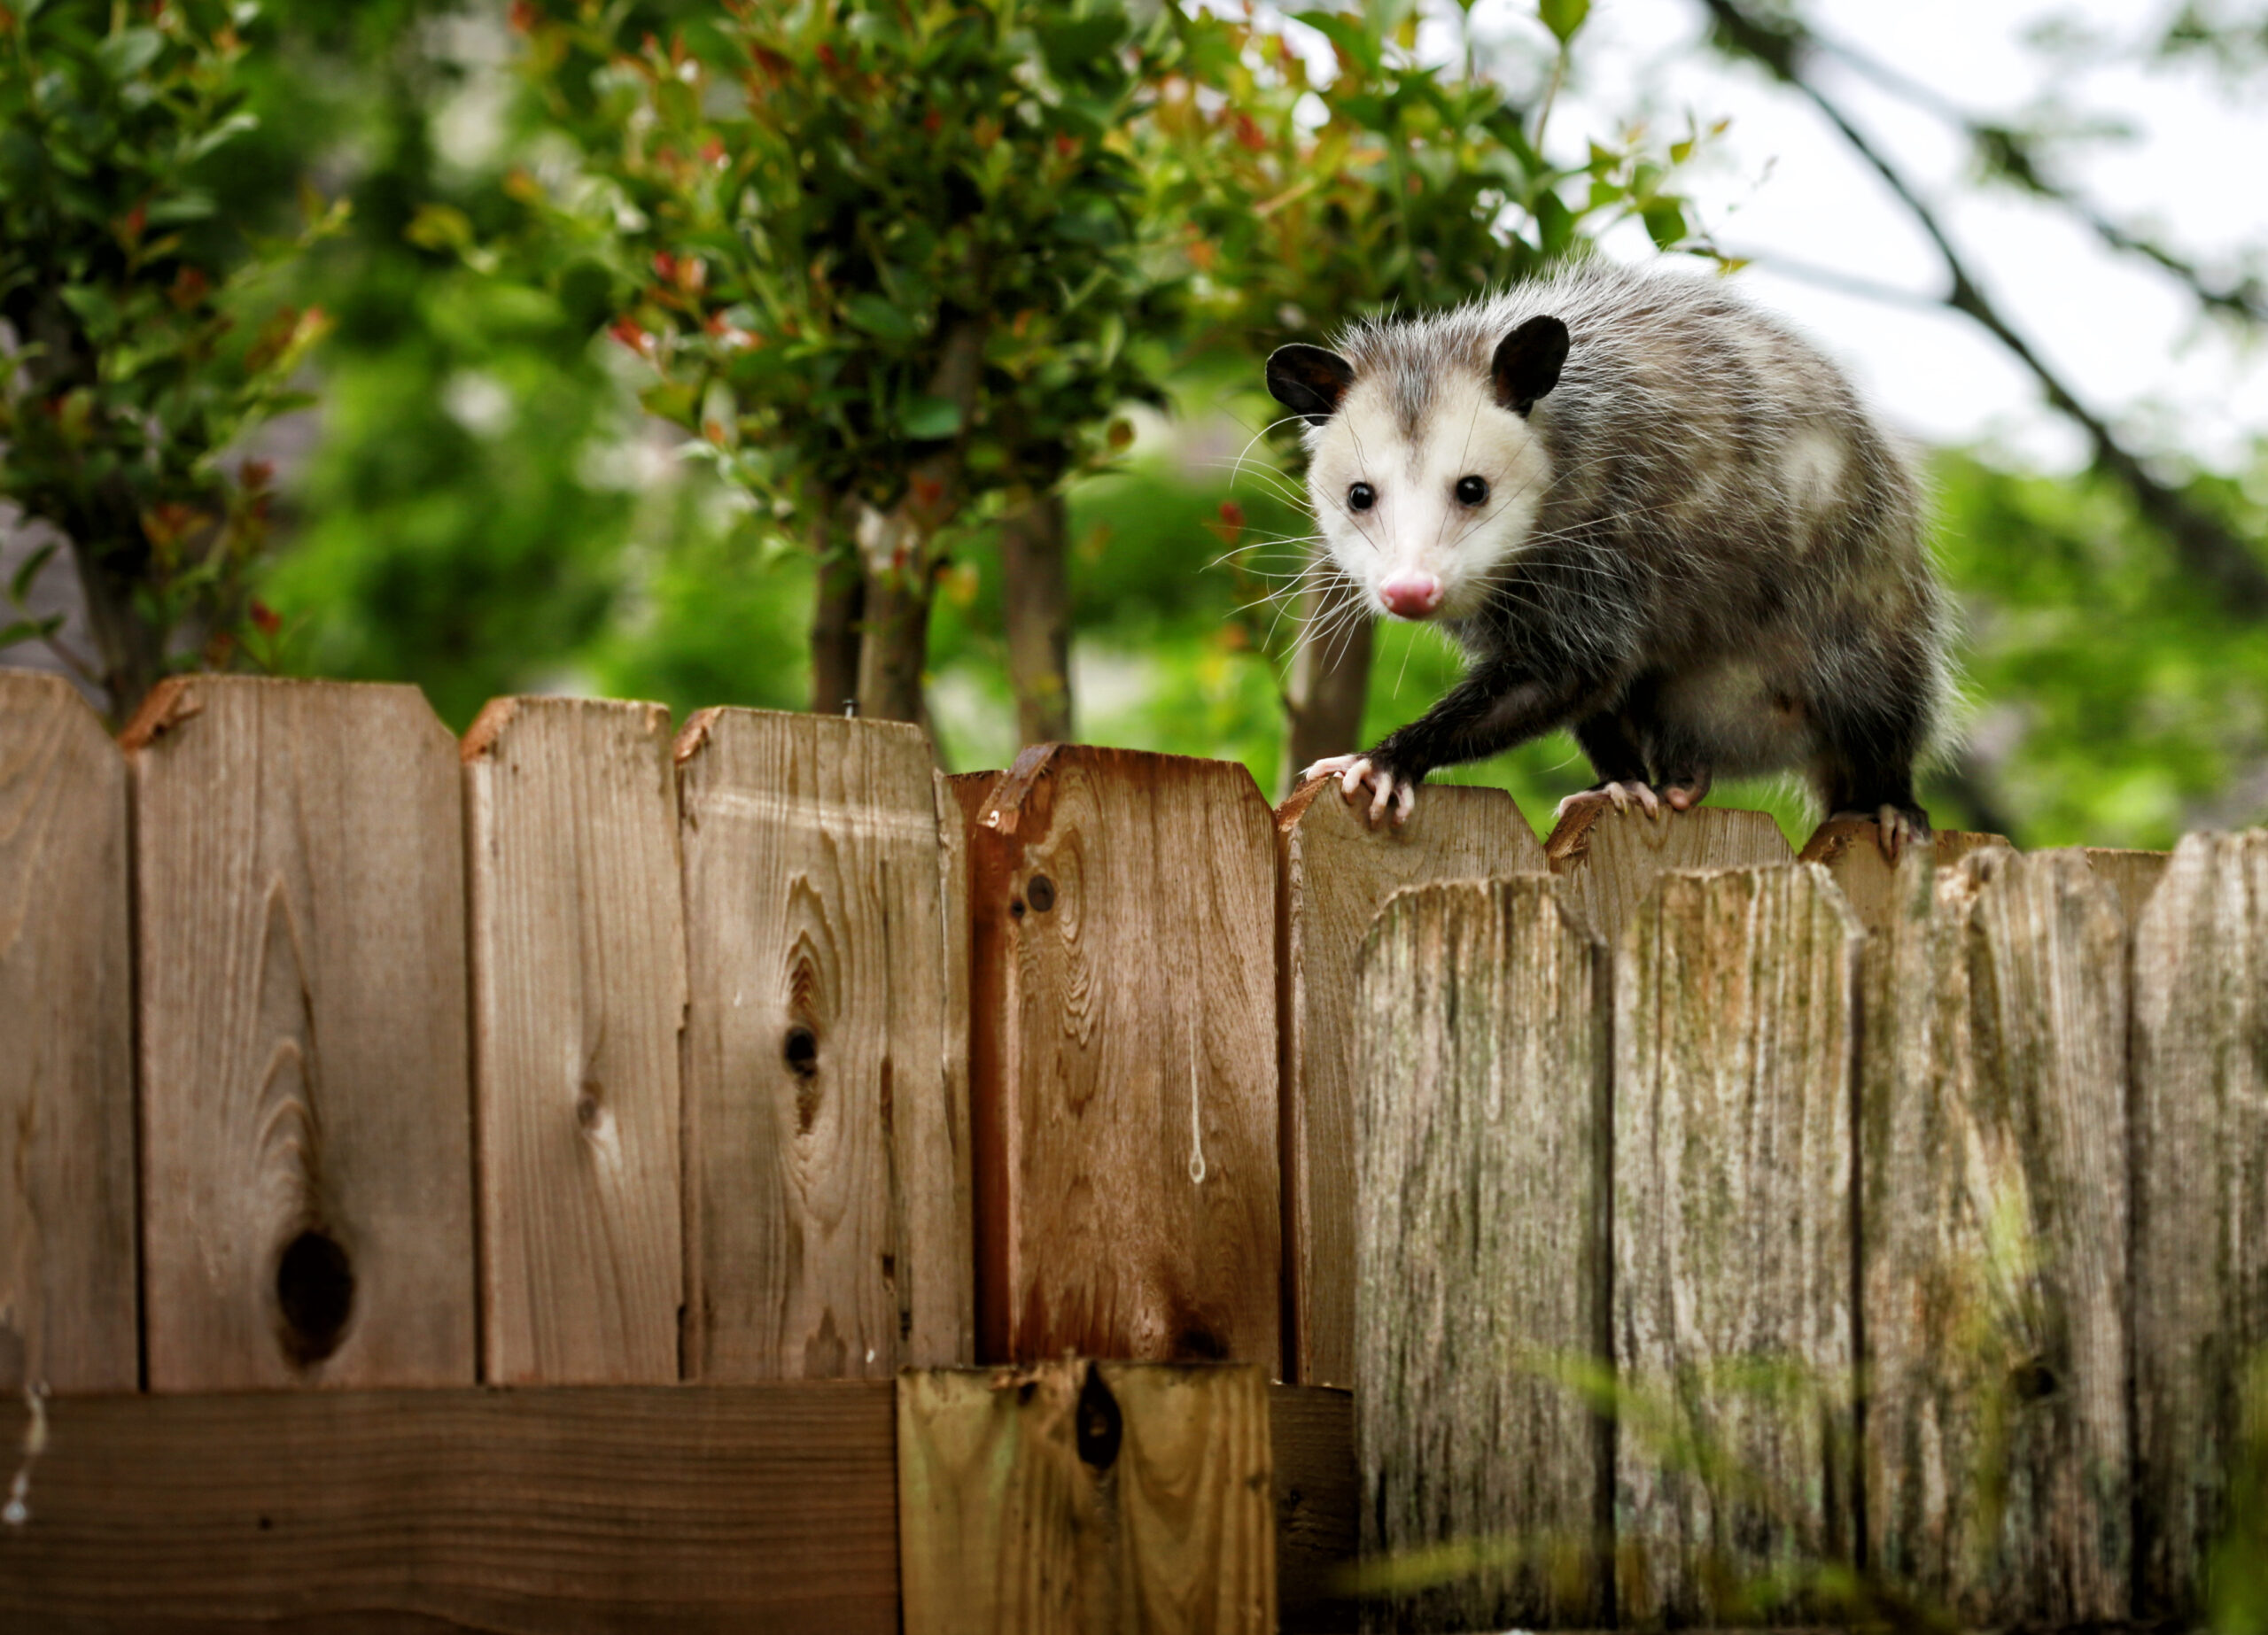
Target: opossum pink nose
1410,595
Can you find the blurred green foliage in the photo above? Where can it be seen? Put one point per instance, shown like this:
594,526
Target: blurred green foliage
479,503
134,364
801,205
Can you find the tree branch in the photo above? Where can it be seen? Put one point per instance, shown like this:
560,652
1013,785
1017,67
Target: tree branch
2203,545
2013,155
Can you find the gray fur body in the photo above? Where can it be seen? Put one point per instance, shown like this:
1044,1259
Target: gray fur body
1698,549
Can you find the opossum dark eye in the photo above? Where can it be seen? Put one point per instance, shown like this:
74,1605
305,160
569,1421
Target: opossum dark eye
1471,490
1362,497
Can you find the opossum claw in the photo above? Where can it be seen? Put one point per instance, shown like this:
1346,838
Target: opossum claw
1357,775
1618,794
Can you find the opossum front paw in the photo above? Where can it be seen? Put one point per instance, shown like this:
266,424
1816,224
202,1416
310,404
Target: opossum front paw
1357,774
1620,795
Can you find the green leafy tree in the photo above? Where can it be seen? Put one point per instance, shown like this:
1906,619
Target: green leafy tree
130,366
883,260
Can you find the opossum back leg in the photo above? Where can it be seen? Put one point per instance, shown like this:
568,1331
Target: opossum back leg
1865,768
1615,752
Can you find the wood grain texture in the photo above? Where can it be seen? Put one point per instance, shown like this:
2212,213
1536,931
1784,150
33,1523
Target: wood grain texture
1087,1497
1735,1017
2133,875
970,791
307,1175
1311,1442
1481,1241
1123,1054
2200,1134
1611,859
617,1508
826,1123
1850,848
577,952
67,1275
1334,873
1995,1241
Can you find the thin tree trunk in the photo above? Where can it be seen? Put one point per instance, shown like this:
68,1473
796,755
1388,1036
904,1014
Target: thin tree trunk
1331,674
1037,602
838,606
897,557
896,648
130,650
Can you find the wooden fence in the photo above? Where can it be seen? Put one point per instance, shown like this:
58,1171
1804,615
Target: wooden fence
1921,1227
334,1053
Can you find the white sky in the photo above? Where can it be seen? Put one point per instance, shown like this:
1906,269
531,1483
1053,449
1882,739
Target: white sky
1782,181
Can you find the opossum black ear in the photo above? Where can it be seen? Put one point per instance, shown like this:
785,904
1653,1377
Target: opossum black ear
1527,362
1309,381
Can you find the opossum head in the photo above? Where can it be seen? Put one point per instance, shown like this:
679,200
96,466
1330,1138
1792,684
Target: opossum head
1423,467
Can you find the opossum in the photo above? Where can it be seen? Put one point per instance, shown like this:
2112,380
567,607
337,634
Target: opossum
1646,510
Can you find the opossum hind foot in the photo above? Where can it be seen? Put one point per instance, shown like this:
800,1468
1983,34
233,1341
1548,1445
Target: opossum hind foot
1898,826
1621,795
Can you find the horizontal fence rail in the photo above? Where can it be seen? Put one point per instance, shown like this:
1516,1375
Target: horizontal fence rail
1684,1213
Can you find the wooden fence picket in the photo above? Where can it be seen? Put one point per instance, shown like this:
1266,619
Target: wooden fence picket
67,1274
2200,1058
825,1124
1993,1235
2133,875
1123,1050
1334,872
306,1174
1736,1016
1482,1244
578,955
1612,859
1850,849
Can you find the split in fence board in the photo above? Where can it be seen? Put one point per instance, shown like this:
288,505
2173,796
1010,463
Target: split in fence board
1311,1453
1335,873
1482,1082
1611,859
1850,848
578,941
1076,1497
1123,1058
67,1275
614,1508
825,1113
1735,1032
1993,1238
307,1175
2200,1061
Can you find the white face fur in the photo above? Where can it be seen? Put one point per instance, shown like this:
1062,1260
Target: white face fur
1427,518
